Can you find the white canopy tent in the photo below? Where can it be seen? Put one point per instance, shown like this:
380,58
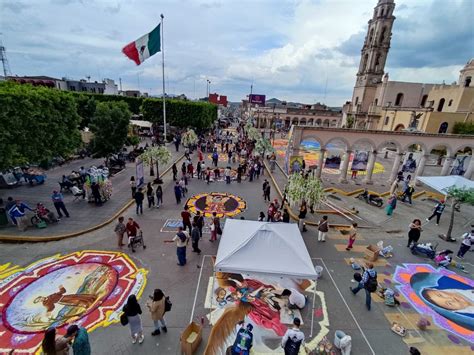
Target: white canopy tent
143,124
443,183
268,248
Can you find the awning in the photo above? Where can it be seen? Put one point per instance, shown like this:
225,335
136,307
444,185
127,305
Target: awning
443,183
139,123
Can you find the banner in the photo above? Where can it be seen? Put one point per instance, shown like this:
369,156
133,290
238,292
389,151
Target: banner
460,164
359,162
411,162
296,164
257,99
333,159
140,173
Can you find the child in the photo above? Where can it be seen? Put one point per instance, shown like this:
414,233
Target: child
352,236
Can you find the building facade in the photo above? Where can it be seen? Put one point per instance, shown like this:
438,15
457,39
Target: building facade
380,104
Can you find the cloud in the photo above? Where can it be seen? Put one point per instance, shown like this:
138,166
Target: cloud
14,6
305,50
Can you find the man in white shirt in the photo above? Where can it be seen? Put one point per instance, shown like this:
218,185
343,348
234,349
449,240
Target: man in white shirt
296,300
467,240
78,192
293,339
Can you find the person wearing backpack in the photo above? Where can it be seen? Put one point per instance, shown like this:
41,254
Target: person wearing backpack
467,240
293,339
181,238
368,282
156,306
243,341
437,211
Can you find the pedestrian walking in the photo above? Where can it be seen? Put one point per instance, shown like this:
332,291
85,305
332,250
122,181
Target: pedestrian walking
133,186
80,340
177,192
301,216
174,169
198,170
58,202
95,189
195,236
150,195
83,174
156,306
182,184
466,243
437,211
132,311
286,216
215,158
415,232
132,228
159,196
181,238
208,176
391,204
266,193
368,283
53,344
199,220
183,168
139,197
352,236
119,230
408,193
354,174
213,228
227,175
323,229
293,339
186,218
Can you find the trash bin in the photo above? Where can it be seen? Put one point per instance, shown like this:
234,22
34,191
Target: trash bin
343,342
319,271
3,217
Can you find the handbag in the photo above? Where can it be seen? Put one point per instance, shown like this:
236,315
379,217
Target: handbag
123,319
168,304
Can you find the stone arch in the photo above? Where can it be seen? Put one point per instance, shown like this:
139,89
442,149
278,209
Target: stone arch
399,127
319,122
462,148
423,100
334,123
337,140
310,122
303,121
399,99
312,137
422,145
443,127
326,123
364,141
294,120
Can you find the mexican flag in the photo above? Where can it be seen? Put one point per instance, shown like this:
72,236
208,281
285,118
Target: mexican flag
144,47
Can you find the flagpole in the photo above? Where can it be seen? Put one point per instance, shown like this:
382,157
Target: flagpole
163,69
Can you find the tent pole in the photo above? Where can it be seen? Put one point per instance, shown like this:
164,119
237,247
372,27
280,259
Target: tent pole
212,293
312,310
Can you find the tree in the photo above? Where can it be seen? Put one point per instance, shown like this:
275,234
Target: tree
36,124
458,196
463,128
300,188
263,145
189,138
252,132
110,127
86,106
159,155
350,121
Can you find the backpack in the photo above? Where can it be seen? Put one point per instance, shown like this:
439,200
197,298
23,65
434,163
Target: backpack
182,236
371,284
168,304
292,346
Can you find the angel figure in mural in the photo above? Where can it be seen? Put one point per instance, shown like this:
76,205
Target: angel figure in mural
260,302
84,301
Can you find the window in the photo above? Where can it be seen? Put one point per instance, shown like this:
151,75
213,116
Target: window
450,102
83,89
376,102
387,119
356,101
443,128
441,105
382,35
423,100
467,82
371,36
72,88
399,99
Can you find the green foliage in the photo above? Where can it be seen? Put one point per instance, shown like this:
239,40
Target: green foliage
463,128
300,188
200,115
263,146
252,133
133,141
458,196
189,138
86,106
350,121
36,124
110,127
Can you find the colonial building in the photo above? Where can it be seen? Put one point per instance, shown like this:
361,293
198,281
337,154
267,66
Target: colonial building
380,104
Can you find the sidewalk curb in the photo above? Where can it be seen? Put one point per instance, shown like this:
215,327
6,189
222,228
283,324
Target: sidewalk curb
6,238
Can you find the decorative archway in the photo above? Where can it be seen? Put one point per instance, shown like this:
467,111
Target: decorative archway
443,127
400,127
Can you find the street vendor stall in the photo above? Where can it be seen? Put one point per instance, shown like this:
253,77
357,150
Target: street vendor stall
101,177
255,262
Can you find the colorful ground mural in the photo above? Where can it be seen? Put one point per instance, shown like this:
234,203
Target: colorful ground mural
446,297
87,288
310,152
256,300
224,204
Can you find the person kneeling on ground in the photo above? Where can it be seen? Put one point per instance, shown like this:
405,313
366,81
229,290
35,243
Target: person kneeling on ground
296,300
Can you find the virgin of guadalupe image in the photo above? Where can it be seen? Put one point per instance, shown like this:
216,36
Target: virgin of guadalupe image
83,301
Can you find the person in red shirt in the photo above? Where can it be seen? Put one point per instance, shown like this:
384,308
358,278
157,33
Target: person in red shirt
186,217
132,228
271,212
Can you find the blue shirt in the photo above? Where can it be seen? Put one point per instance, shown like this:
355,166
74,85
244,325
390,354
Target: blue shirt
57,197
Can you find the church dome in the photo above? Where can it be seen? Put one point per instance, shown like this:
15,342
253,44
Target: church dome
467,73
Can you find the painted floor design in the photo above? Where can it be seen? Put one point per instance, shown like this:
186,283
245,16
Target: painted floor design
224,204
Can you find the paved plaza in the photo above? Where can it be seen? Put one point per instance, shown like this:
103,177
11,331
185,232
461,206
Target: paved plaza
335,307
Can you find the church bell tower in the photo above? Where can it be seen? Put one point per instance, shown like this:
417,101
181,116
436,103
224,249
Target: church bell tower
374,54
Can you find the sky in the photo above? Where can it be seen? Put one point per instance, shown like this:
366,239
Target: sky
297,50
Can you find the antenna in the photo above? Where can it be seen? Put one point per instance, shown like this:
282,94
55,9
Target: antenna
4,60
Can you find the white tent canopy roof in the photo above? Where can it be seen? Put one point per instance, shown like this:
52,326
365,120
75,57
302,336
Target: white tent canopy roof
139,123
263,248
443,183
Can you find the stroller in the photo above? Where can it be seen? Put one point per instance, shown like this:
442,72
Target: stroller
137,240
427,249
